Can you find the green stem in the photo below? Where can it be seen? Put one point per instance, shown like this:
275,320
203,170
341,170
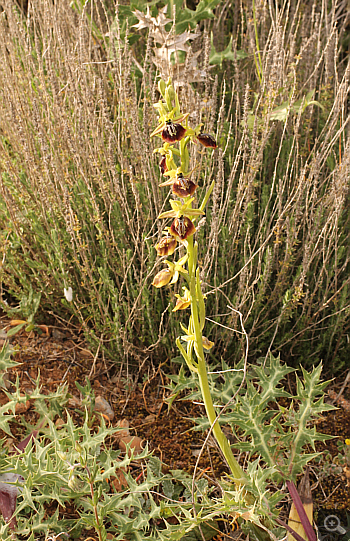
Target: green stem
201,368
237,472
99,527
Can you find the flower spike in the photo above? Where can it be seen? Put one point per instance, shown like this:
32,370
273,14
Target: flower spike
175,166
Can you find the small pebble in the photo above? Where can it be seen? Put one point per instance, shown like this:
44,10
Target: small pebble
102,406
6,379
134,442
58,335
119,482
123,424
74,402
22,407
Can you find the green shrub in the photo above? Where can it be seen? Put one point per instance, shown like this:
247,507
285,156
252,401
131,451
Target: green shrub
79,181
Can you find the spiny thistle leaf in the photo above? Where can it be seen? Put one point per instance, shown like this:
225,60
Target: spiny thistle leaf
6,361
270,377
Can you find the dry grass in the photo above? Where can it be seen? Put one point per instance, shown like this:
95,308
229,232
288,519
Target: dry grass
79,181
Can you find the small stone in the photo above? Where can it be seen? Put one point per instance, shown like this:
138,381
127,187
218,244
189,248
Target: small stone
6,380
119,482
9,444
22,407
59,423
102,406
134,442
74,402
85,353
58,335
123,424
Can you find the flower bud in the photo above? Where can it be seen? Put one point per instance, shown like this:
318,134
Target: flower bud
161,87
171,92
74,483
78,447
166,246
163,166
168,99
163,278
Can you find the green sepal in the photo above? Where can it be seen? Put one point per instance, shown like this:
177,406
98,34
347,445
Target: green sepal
190,349
162,87
160,106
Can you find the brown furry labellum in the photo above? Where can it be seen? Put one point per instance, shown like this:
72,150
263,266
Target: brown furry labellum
163,166
182,227
206,140
173,132
166,246
183,187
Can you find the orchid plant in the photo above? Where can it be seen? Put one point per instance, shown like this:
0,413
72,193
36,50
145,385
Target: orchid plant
279,437
174,164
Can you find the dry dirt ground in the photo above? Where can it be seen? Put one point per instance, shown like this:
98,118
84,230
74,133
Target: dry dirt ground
61,355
